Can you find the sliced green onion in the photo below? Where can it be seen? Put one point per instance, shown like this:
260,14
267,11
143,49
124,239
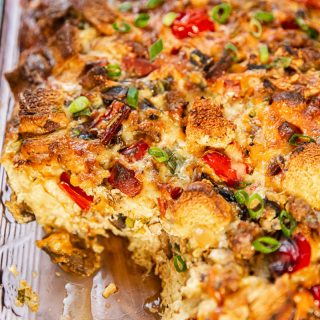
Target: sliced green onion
125,7
302,24
231,47
221,12
129,222
255,209
283,62
179,264
255,28
122,27
264,16
172,162
311,32
266,244
132,97
159,154
113,70
169,18
285,219
151,4
79,104
264,53
85,112
142,20
155,49
296,137
241,196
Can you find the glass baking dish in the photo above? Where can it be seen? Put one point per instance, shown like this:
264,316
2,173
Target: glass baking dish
61,295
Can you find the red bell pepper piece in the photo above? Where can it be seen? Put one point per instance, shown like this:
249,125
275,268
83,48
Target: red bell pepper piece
191,22
136,152
315,290
293,255
83,200
222,166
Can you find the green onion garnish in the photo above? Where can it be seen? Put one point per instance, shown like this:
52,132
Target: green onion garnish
159,154
132,97
122,27
142,20
169,18
179,264
287,219
311,32
255,28
264,16
79,104
295,138
255,206
241,196
85,112
283,62
266,244
221,12
151,4
172,162
264,53
125,7
155,49
113,70
231,47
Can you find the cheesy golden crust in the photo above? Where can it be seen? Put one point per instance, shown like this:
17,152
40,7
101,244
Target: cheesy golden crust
302,173
207,126
190,128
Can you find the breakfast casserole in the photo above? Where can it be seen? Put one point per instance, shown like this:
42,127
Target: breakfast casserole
189,127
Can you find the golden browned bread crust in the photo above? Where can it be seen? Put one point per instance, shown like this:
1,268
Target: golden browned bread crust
302,174
207,126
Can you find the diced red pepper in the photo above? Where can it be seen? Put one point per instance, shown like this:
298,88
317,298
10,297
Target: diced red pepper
315,290
222,166
83,200
136,152
125,180
293,255
304,252
191,22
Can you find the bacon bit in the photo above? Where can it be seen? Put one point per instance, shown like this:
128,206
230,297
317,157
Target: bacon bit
176,192
224,168
315,290
136,152
175,50
310,3
162,203
83,200
289,23
125,180
168,190
109,123
139,67
293,255
191,22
